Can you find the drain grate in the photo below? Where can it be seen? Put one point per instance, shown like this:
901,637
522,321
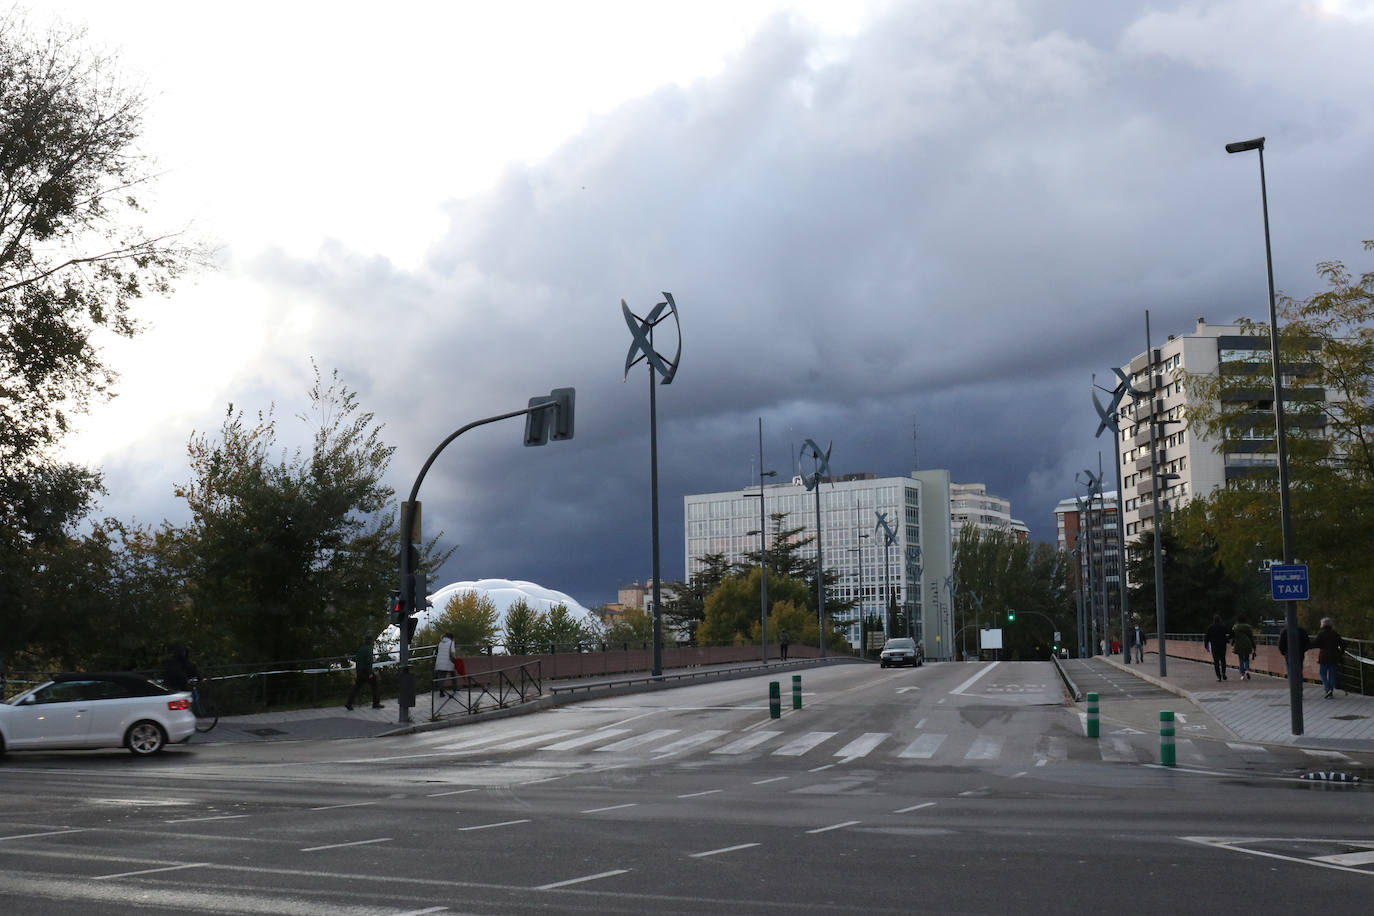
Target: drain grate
1350,717
265,732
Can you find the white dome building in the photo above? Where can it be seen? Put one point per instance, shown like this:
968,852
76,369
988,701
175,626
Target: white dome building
503,593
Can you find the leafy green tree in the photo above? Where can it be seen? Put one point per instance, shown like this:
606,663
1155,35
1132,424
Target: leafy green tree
562,631
684,603
732,610
1003,572
73,259
634,628
470,616
524,629
291,554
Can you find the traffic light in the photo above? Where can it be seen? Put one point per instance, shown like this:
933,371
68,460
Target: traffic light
421,593
552,422
393,607
1011,615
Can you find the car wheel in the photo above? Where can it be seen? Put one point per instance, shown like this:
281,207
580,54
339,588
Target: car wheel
145,738
882,664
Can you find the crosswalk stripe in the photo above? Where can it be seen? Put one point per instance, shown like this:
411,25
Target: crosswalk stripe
1187,749
985,747
924,747
803,744
532,739
1117,750
1317,752
689,742
475,742
572,743
626,743
1237,746
748,742
862,745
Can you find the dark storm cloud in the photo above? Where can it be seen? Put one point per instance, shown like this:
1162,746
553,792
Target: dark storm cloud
951,224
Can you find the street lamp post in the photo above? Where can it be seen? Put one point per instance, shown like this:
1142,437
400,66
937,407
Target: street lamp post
813,482
763,551
642,349
1281,444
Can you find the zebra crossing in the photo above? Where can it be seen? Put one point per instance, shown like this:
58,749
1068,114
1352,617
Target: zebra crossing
924,746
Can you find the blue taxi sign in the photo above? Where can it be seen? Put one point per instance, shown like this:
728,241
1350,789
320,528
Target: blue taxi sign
1288,583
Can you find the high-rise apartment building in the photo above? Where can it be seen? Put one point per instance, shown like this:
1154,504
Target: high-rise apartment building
972,504
1199,465
859,564
1090,529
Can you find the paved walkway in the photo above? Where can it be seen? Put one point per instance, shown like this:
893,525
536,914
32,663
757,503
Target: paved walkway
1260,709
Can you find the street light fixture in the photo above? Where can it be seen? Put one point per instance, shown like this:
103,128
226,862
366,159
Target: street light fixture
813,482
1280,439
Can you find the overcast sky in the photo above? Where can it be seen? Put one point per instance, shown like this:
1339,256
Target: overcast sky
877,220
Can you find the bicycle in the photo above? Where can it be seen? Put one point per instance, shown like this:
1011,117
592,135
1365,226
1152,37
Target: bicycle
203,705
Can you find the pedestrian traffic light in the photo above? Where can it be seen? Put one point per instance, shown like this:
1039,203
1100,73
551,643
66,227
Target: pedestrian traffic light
421,592
393,607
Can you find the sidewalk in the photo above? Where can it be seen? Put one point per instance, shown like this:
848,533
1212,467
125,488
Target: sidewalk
1260,709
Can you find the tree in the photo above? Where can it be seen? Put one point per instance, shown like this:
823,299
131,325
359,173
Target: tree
732,610
633,628
562,631
524,628
292,555
1004,573
73,258
1327,355
684,603
470,616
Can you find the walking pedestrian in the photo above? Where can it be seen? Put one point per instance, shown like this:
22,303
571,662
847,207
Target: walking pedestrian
1303,645
1330,648
444,667
1215,639
1243,641
1139,645
783,642
363,674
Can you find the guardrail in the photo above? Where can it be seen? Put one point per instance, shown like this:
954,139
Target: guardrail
501,689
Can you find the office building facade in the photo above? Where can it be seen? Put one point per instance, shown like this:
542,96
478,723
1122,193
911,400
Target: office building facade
859,565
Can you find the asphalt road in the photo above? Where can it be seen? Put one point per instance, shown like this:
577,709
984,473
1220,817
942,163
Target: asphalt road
956,788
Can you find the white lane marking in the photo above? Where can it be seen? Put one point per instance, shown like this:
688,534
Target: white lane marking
803,744
975,793
1233,844
426,910
1348,858
532,739
835,826
764,782
863,745
1181,718
193,820
381,839
819,768
454,792
609,808
1237,746
985,747
1019,775
595,877
1314,752
150,871
625,744
691,741
748,742
1116,750
699,794
920,724
716,852
349,805
1041,762
29,836
524,820
924,747
958,691
572,743
913,808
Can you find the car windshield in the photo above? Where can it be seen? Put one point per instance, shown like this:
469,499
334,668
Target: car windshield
899,644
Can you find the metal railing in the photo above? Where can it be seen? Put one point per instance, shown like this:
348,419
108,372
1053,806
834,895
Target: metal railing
1356,673
500,688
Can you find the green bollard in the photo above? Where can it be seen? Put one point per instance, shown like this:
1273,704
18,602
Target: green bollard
796,691
1092,715
774,701
1167,755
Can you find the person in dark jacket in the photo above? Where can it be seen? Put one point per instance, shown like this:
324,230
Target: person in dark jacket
1243,641
1329,647
363,675
1216,637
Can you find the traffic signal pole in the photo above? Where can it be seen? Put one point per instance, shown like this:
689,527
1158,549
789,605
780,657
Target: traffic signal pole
547,417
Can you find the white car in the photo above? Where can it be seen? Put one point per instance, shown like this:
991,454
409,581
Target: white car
902,650
96,710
